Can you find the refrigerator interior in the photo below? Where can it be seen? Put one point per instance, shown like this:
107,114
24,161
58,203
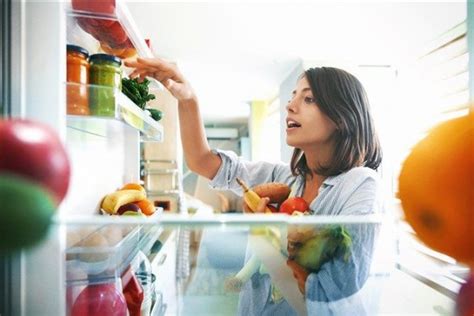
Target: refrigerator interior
183,264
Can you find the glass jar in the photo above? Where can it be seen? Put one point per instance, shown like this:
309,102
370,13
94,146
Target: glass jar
78,77
104,71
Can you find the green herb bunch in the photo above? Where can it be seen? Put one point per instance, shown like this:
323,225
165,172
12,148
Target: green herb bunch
138,92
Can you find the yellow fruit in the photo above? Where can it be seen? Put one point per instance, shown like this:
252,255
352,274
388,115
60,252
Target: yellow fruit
113,201
436,188
133,186
251,198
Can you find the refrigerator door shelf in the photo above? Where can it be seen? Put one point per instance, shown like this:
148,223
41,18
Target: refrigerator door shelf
120,108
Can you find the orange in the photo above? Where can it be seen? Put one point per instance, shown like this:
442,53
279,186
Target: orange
133,186
147,207
436,188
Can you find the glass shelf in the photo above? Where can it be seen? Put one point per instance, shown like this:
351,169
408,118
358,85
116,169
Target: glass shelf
110,104
220,246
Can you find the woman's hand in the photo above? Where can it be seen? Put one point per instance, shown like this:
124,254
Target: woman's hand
300,274
166,73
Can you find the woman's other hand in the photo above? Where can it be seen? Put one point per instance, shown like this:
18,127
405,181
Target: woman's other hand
300,274
165,72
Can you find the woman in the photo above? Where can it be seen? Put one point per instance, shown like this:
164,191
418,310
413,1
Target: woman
336,153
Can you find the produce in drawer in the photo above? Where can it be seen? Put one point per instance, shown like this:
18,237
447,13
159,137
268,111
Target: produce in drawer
147,207
113,201
115,35
129,207
129,200
95,240
133,186
113,234
123,52
94,6
100,300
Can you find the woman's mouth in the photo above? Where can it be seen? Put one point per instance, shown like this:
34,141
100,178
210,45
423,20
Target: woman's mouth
292,125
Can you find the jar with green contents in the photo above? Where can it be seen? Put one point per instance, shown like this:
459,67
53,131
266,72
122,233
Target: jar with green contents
104,71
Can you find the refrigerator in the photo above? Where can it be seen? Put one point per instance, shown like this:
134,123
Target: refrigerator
174,262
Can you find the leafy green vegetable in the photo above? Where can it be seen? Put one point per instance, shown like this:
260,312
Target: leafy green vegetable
328,243
137,91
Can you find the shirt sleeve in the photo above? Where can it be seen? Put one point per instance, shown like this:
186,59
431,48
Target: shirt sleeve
253,173
338,279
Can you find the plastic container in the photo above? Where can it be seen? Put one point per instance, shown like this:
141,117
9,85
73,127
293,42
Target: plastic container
104,71
103,253
77,72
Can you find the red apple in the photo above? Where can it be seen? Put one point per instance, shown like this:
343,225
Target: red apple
33,150
294,204
465,299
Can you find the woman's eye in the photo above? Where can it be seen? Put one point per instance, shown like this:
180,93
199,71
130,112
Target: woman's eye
309,100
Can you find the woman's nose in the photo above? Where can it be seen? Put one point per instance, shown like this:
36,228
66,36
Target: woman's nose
290,106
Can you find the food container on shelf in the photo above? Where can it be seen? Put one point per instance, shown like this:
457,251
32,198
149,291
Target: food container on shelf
77,96
104,71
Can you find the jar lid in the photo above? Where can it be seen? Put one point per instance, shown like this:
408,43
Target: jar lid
78,49
105,57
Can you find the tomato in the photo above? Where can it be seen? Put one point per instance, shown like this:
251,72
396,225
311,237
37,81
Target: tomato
33,150
294,204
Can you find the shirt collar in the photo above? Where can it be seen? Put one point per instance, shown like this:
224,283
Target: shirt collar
333,180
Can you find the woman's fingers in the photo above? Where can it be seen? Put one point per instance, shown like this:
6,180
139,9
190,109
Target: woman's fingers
246,208
262,205
163,71
160,66
140,73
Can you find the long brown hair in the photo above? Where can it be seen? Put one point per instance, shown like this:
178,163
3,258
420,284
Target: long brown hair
343,99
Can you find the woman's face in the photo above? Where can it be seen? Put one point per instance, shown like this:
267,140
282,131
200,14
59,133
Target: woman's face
306,125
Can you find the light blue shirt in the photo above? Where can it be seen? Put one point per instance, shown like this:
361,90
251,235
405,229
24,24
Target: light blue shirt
356,191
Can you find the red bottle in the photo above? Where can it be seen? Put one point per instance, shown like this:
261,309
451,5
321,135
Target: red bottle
133,292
